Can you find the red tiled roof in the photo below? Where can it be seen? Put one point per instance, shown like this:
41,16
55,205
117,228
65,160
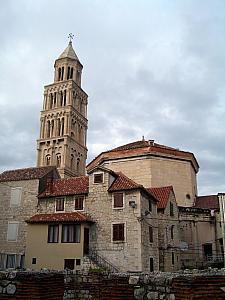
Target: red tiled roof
25,174
162,194
209,202
143,147
60,217
123,183
67,186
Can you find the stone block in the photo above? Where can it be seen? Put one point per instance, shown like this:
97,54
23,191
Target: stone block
133,280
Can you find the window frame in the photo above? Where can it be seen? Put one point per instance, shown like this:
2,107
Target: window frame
123,200
18,203
52,239
76,237
17,231
78,198
94,176
57,199
124,232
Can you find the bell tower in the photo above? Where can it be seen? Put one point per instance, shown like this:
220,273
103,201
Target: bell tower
63,122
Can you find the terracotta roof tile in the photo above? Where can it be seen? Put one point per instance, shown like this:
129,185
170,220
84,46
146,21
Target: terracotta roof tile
208,202
25,174
141,148
162,194
67,186
60,217
123,183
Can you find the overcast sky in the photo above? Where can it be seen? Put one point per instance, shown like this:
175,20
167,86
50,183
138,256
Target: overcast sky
153,68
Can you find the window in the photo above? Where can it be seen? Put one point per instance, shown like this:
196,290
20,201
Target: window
34,260
11,261
48,160
151,264
69,264
118,232
98,178
70,233
15,196
58,160
53,233
78,262
79,203
150,234
2,260
118,200
172,232
171,209
59,204
173,258
12,231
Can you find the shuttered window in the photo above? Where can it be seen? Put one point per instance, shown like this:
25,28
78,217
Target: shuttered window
98,178
79,203
59,204
12,231
118,200
118,232
15,199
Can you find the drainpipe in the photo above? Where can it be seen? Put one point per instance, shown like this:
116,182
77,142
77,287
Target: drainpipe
221,197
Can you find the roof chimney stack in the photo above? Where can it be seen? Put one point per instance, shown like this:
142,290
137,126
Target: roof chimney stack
151,142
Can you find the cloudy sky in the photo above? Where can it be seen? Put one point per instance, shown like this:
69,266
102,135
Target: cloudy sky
151,67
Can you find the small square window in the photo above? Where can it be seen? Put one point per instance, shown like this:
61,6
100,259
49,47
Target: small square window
98,178
34,260
118,232
118,200
79,203
78,262
59,204
69,264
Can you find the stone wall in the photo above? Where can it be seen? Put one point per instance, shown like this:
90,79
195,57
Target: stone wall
186,285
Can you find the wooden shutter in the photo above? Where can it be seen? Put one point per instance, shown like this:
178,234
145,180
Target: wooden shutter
118,200
118,232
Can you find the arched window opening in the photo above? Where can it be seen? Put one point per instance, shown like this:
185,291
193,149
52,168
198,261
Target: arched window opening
68,73
62,75
71,73
72,161
51,101
58,160
61,98
48,129
58,126
64,98
48,160
54,99
62,126
78,164
52,128
59,74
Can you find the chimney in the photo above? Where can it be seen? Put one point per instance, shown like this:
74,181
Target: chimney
49,181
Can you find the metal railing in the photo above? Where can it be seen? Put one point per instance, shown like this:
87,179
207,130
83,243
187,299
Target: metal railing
102,262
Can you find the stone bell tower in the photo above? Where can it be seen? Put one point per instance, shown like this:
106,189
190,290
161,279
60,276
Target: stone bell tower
63,123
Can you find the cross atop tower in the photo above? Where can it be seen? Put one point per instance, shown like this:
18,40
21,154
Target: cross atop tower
70,36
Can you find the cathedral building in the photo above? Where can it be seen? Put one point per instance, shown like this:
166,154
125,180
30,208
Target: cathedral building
63,123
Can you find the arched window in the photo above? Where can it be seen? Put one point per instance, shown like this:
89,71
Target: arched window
68,73
59,74
62,126
64,98
58,126
48,160
78,164
61,98
72,161
62,75
71,73
58,160
50,100
52,128
54,99
77,77
48,129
